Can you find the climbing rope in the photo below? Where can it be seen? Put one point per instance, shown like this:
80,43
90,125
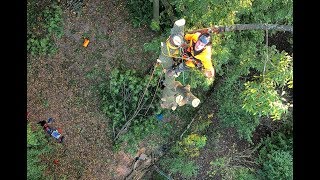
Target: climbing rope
162,173
155,90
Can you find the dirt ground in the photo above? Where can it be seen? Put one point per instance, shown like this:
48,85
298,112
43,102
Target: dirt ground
62,87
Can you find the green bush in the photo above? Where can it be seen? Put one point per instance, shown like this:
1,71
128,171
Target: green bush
279,165
141,12
154,25
276,157
192,144
124,98
181,165
44,23
262,96
223,167
37,145
153,46
182,152
244,174
141,131
230,112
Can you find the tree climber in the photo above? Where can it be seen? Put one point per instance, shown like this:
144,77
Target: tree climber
196,53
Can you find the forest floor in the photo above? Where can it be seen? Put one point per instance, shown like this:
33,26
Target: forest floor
62,87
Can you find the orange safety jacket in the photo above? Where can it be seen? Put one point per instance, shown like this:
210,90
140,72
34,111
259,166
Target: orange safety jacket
204,56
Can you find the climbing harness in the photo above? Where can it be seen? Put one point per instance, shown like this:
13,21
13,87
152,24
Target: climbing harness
180,49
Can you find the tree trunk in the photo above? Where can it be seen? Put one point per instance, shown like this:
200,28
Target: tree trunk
156,10
174,93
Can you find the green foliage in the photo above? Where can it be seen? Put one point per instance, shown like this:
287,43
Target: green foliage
141,12
239,57
206,13
124,98
195,79
218,166
279,165
275,142
183,152
276,157
154,25
181,165
222,167
153,46
231,114
44,23
141,131
244,174
261,96
202,125
192,144
37,145
272,12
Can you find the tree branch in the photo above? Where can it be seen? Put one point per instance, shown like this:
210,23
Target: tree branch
187,128
135,113
240,27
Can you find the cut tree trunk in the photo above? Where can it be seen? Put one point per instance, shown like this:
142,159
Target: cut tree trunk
174,93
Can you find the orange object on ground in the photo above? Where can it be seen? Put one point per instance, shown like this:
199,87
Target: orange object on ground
86,42
55,161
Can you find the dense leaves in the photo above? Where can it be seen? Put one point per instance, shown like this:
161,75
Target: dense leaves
181,156
129,97
44,24
254,79
141,12
37,145
276,157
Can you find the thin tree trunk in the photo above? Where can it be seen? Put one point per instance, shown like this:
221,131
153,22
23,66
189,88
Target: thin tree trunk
156,15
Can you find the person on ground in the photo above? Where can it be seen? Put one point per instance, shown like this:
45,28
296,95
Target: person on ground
55,133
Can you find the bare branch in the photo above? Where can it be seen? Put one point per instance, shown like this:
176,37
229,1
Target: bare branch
187,128
127,124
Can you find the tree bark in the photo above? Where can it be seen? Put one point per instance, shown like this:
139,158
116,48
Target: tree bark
174,93
156,16
241,27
